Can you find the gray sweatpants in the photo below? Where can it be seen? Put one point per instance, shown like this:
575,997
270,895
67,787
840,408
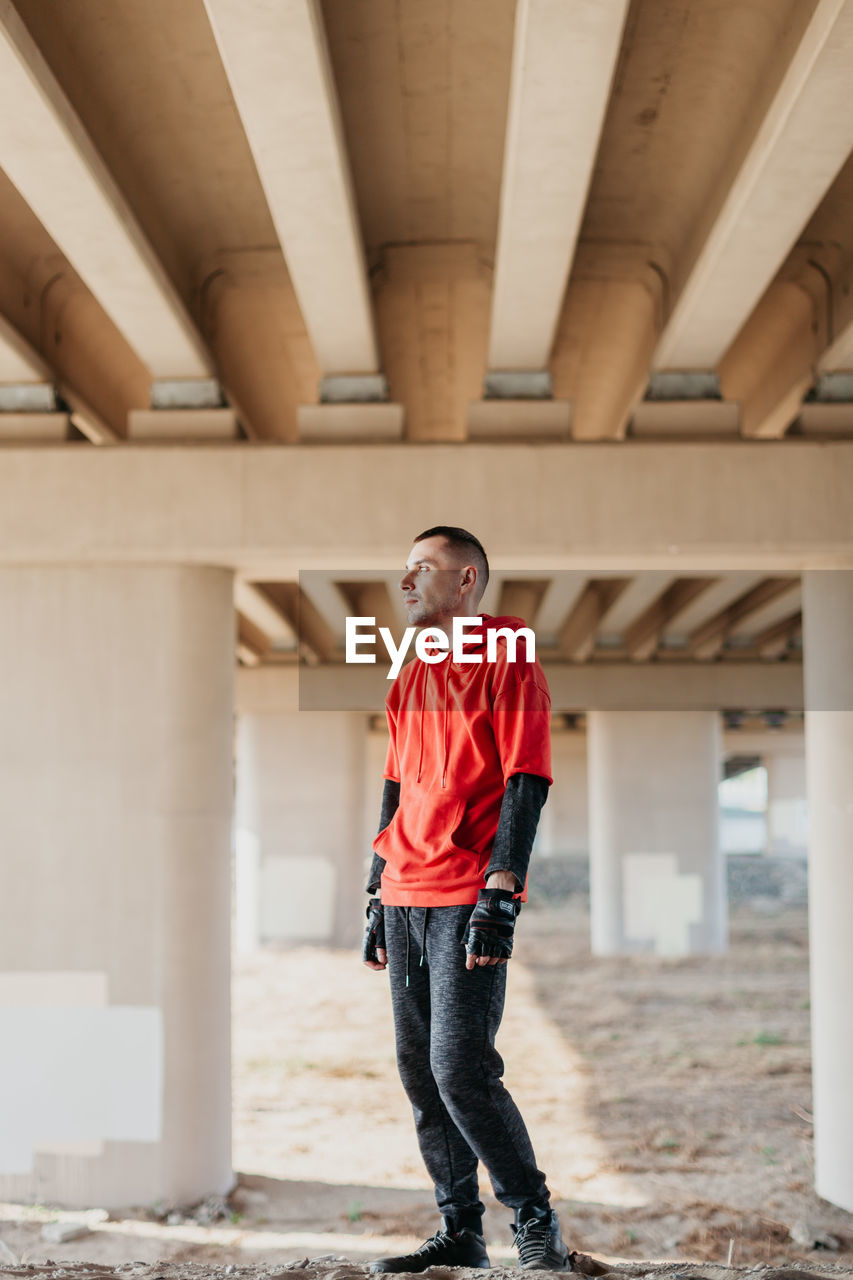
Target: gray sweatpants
445,1022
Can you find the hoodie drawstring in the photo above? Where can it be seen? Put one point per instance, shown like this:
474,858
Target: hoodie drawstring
421,744
444,726
409,941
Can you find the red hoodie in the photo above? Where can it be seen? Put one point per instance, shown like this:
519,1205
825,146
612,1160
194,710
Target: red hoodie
458,732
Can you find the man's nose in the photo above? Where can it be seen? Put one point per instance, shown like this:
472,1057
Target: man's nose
406,582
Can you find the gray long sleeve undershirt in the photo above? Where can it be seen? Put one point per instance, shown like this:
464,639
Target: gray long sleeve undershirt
522,803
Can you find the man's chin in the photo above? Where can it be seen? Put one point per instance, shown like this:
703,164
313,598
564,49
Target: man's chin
419,617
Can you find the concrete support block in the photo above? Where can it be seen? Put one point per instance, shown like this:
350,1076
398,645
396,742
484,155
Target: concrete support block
115,795
182,424
300,827
33,428
828,624
656,871
339,423
527,419
655,419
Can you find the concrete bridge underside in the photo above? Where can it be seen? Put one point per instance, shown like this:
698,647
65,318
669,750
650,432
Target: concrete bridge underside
282,284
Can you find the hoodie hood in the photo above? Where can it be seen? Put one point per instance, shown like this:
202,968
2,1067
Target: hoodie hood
476,639
489,622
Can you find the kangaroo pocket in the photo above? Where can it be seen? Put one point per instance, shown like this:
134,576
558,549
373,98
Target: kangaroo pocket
419,841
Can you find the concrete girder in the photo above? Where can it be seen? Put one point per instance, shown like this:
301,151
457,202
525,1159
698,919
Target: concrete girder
771,364
50,158
271,510
774,639
19,361
267,616
707,639
277,62
315,640
252,643
371,600
838,354
614,303
576,640
601,686
838,357
521,598
562,67
800,146
432,312
644,634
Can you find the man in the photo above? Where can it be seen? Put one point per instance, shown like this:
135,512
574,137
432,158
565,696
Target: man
467,772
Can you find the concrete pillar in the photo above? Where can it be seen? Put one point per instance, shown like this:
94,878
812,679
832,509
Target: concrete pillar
300,826
116,783
656,873
376,749
787,808
564,824
828,656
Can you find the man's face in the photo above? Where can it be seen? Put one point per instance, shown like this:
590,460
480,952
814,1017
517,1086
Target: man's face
433,584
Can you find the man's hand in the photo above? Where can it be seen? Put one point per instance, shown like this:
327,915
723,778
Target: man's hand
489,933
373,953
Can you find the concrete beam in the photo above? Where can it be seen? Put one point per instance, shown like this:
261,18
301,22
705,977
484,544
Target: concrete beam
314,638
685,419
645,631
521,598
278,65
50,158
706,640
839,355
19,361
602,686
622,287
798,149
576,638
260,610
562,67
770,366
594,507
432,312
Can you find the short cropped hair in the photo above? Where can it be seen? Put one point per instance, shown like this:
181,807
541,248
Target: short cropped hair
465,543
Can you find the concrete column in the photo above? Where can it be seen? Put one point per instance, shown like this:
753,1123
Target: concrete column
656,873
787,809
828,655
376,749
564,824
300,826
116,783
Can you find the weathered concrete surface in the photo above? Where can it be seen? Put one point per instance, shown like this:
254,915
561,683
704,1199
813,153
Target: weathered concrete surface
340,1268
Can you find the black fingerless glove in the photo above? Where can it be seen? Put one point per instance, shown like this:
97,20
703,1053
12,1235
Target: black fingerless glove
490,930
374,936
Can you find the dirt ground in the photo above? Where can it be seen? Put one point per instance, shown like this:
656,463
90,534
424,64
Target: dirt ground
668,1100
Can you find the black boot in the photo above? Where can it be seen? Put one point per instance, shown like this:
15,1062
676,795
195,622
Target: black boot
538,1240
447,1248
